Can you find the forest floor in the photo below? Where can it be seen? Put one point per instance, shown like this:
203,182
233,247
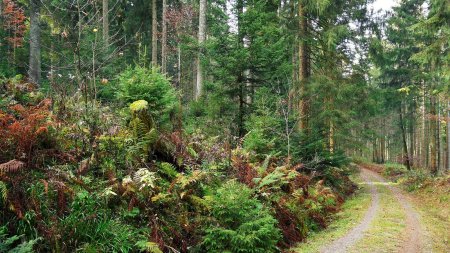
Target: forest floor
381,217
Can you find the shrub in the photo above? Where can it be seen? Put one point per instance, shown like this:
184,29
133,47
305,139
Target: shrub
140,83
242,223
416,179
394,169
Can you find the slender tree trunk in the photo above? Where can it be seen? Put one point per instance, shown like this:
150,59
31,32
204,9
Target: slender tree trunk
304,71
105,9
164,38
405,145
331,137
440,159
179,64
411,133
154,35
34,71
448,134
424,131
433,132
201,39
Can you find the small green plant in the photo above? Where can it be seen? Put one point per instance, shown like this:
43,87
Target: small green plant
10,243
394,169
140,83
415,179
93,226
241,224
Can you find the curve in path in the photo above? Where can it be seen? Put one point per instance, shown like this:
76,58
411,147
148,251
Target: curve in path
354,235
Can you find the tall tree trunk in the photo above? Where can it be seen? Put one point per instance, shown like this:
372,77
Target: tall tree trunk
34,71
201,39
433,132
440,159
448,134
425,147
154,35
331,137
304,67
240,78
105,9
411,133
405,145
179,65
164,37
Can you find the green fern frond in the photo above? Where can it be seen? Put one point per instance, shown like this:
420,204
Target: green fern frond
152,136
146,246
3,191
168,169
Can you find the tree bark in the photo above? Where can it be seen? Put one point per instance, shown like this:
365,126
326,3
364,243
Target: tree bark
34,71
105,9
433,132
154,35
164,38
304,67
405,145
201,39
448,134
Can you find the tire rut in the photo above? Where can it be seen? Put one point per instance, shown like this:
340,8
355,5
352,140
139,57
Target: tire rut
354,235
414,234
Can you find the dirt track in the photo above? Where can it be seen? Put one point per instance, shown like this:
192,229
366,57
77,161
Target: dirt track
413,240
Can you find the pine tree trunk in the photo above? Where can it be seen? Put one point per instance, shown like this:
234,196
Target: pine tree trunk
424,133
201,39
405,145
105,9
34,71
179,65
433,142
164,38
154,35
448,134
331,137
304,71
438,134
411,133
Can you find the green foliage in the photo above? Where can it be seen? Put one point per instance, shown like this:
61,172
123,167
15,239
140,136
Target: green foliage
242,223
416,179
140,83
93,226
394,169
11,244
3,192
147,246
167,169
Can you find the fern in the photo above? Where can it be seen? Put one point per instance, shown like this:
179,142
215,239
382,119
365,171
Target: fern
144,178
168,169
6,243
147,246
3,191
277,178
11,166
183,181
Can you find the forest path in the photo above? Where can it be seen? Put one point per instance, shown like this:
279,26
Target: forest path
390,223
354,235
